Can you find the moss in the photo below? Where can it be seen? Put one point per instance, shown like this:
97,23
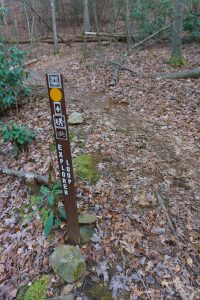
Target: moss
85,168
52,147
37,290
177,61
100,292
79,270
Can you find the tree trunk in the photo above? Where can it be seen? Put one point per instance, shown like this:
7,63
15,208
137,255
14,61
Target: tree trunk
127,26
86,24
55,36
94,7
114,16
194,73
176,53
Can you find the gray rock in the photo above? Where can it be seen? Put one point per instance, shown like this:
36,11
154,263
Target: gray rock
86,219
86,232
75,118
68,263
67,289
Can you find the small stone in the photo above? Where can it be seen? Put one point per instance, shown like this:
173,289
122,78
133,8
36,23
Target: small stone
68,262
79,284
119,268
86,219
86,232
67,289
75,118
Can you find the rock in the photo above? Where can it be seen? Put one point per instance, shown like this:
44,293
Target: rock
86,219
79,284
119,268
68,263
86,233
67,289
75,118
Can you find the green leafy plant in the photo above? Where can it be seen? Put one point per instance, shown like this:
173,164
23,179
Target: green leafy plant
12,75
3,12
191,24
149,16
53,211
19,136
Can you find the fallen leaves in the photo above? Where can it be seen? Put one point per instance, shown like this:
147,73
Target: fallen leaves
148,144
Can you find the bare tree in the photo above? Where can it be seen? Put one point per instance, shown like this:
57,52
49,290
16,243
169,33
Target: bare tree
176,53
86,16
55,36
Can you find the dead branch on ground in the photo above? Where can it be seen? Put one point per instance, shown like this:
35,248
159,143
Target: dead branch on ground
120,66
150,37
30,177
194,73
162,204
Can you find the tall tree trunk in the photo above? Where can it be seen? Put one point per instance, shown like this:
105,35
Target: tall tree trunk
94,8
86,16
114,16
176,53
127,12
55,36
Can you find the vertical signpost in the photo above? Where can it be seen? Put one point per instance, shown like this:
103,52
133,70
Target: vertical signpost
60,125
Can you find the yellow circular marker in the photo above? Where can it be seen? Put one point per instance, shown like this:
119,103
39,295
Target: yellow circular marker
56,94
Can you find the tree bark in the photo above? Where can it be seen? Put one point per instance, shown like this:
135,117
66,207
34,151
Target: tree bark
86,23
94,7
194,73
55,36
176,52
127,26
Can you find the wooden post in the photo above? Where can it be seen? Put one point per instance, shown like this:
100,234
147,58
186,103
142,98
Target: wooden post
60,125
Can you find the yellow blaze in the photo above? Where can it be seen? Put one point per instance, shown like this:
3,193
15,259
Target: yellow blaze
56,94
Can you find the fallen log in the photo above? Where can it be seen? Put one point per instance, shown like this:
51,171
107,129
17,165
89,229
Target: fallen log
194,73
30,62
30,177
115,74
120,66
150,37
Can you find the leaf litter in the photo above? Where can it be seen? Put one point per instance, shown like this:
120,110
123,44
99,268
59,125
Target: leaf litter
144,134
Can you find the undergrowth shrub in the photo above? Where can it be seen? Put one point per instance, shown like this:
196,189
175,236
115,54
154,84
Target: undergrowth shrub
19,136
48,206
53,211
12,75
150,16
191,24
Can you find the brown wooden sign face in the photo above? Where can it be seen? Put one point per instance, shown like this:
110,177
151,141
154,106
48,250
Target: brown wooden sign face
60,125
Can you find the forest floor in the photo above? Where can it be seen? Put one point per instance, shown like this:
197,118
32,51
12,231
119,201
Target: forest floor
144,134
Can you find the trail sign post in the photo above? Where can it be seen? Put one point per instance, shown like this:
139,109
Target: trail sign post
60,125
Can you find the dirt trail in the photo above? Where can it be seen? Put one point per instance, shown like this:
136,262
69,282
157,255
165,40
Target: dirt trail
146,138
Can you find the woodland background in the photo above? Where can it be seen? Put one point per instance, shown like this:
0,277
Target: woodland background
131,69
